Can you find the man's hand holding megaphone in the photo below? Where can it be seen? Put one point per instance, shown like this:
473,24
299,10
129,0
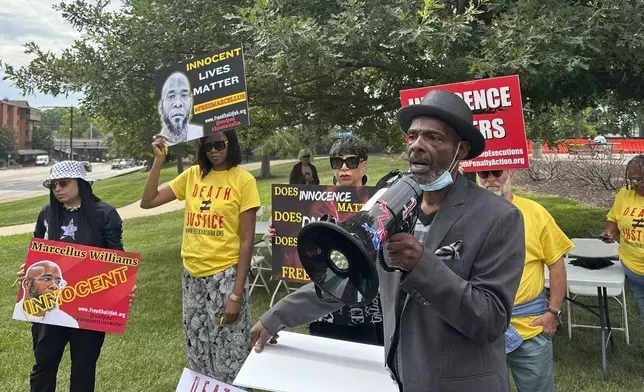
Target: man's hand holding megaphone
404,251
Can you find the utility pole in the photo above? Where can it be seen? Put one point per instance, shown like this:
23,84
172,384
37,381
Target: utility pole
71,133
91,129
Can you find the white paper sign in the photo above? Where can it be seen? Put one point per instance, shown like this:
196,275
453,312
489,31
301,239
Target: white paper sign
301,363
192,381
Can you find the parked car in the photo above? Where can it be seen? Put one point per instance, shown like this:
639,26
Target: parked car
116,164
87,165
42,160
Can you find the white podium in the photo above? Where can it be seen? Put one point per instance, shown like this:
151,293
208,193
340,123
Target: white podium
308,363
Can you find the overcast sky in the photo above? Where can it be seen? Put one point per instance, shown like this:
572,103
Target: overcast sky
33,20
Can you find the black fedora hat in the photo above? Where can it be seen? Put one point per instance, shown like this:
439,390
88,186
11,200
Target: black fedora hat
450,108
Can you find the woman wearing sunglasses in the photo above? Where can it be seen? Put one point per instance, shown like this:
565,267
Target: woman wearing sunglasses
74,215
626,222
304,172
361,324
218,232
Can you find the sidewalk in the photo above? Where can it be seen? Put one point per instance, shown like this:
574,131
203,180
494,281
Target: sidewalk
133,210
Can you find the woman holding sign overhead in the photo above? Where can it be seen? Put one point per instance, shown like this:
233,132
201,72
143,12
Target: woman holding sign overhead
218,233
74,215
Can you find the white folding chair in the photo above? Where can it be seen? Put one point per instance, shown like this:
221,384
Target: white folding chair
592,247
582,291
259,263
261,211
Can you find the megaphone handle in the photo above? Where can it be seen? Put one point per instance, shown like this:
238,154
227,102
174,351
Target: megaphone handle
381,260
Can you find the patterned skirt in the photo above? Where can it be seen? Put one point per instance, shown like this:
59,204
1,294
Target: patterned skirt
213,350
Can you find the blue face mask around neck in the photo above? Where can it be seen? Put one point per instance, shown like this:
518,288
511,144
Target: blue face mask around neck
441,182
444,180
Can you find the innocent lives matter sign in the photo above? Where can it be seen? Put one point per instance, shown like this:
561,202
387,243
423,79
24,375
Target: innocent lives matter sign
192,381
498,114
202,95
295,206
76,286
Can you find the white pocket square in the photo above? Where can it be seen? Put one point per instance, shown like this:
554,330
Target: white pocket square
451,251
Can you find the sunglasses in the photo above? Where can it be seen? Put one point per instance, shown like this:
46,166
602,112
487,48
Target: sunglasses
306,156
219,146
485,174
63,183
351,162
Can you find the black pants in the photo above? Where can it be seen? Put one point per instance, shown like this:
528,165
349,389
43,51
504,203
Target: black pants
49,343
366,333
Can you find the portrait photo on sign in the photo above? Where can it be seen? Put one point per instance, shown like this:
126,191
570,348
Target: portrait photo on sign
175,110
41,289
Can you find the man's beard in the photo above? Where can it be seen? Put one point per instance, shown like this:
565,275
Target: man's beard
502,190
176,131
33,290
431,175
432,171
498,192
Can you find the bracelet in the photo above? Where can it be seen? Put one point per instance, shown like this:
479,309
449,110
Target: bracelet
234,297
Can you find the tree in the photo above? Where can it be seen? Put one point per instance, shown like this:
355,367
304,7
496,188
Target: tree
84,125
114,61
8,144
42,139
622,117
334,64
51,120
321,65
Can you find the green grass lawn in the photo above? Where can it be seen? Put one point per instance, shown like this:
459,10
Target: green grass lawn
117,191
150,355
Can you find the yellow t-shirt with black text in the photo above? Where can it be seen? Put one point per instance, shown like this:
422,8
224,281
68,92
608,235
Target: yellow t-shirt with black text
628,213
211,234
545,244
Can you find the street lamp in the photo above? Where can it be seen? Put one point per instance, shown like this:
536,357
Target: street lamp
71,126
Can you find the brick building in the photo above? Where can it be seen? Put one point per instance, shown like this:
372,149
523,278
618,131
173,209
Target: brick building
24,120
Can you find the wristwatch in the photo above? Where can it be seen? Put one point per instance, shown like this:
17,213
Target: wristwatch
556,313
235,297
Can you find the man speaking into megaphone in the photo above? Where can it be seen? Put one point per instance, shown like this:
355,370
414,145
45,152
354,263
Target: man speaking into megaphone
447,290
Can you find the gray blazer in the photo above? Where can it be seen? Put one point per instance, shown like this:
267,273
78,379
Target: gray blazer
443,321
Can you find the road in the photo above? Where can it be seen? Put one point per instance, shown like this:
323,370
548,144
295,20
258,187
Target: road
17,184
134,210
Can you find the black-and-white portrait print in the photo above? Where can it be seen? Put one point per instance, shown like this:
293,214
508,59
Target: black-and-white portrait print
175,110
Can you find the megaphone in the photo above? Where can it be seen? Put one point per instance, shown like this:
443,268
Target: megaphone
340,258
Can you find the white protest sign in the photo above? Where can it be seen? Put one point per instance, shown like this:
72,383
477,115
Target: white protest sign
301,362
192,381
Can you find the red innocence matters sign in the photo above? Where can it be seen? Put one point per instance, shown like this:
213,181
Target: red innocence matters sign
498,114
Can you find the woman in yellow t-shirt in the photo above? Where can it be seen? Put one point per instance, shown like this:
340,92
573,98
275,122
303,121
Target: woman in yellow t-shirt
218,233
626,222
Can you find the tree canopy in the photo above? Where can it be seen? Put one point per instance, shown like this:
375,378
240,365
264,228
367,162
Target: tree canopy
8,144
316,66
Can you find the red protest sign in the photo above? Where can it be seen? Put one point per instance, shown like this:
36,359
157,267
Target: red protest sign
498,114
76,286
